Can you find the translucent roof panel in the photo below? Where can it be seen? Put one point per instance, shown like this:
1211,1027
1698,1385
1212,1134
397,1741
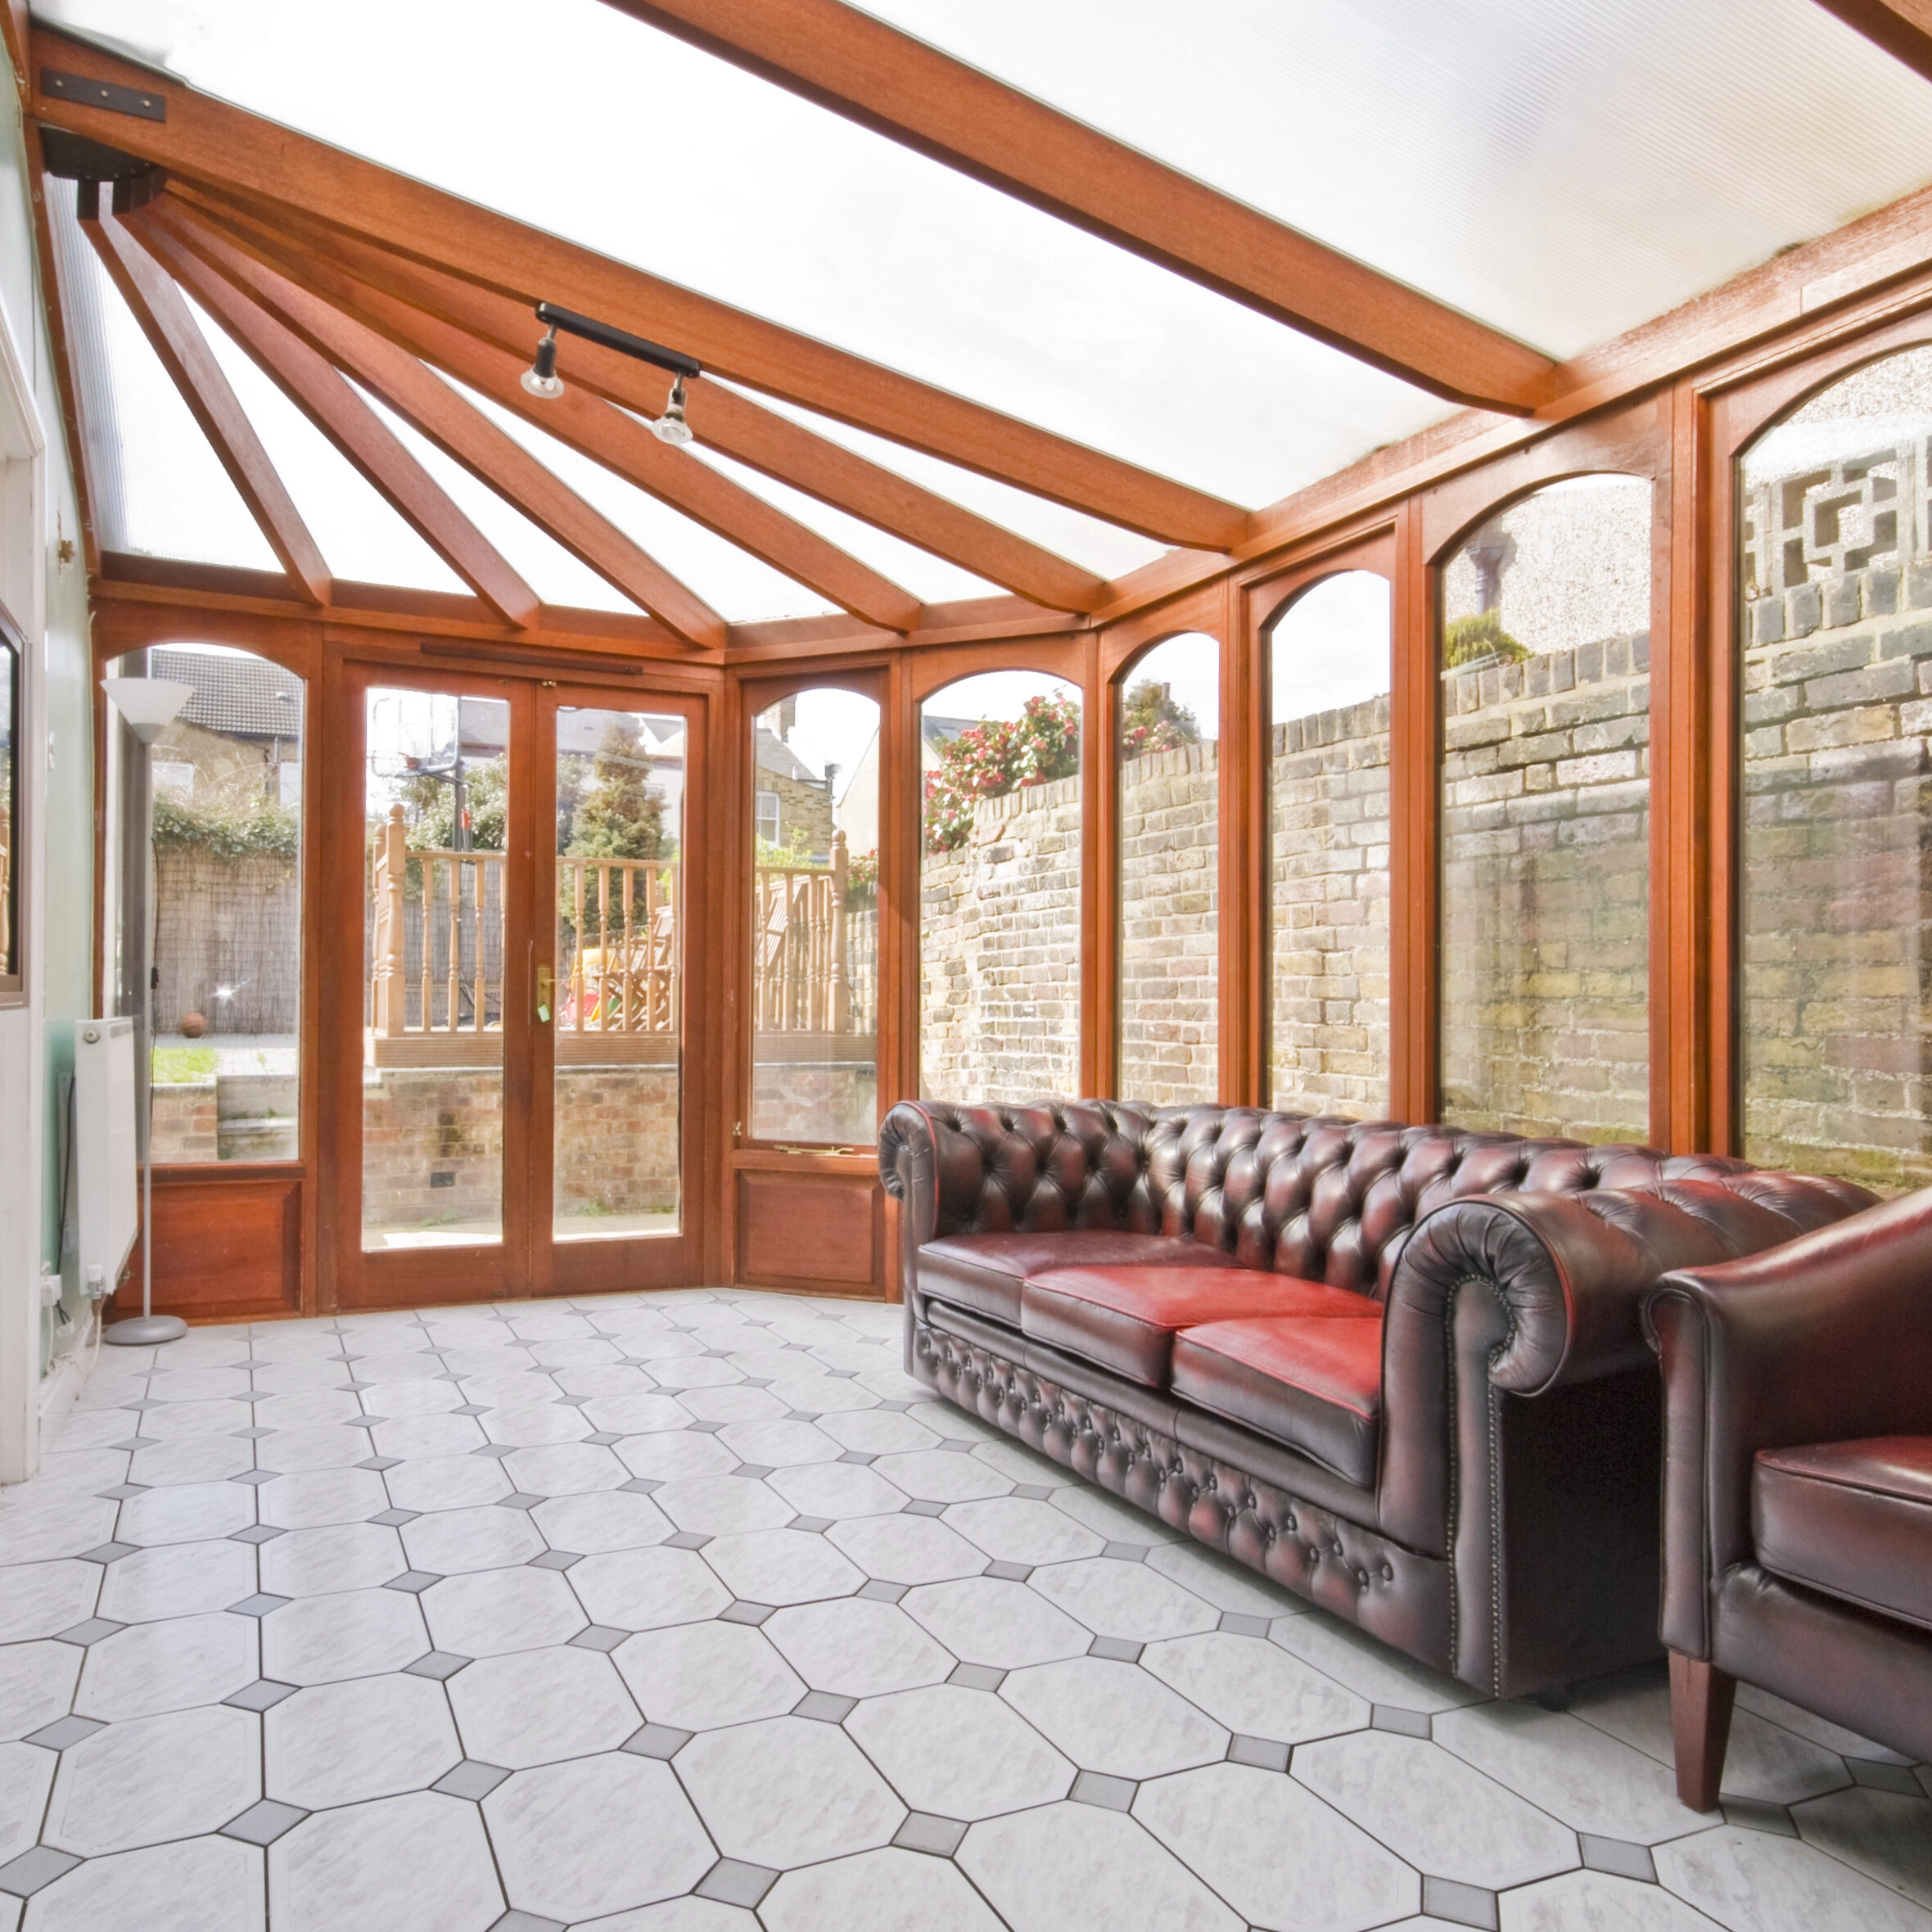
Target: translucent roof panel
162,490
792,213
1563,170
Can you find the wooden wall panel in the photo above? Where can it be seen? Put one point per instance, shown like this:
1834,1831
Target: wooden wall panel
811,1232
227,1245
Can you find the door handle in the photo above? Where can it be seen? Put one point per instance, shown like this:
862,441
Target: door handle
546,982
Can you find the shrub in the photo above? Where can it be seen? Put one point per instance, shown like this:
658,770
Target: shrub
1001,755
1152,721
1480,638
262,828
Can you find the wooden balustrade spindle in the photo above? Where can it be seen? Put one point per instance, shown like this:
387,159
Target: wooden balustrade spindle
482,978
454,973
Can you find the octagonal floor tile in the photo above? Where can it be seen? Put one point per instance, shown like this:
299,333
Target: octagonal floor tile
485,1612
723,1506
782,1566
699,1675
418,1861
318,1562
351,1633
1256,1687
452,1542
907,1549
196,1884
369,1737
883,1891
1123,1599
647,1589
156,1778
600,1520
533,1706
1021,1529
26,1772
857,1647
959,1753
168,1666
992,1620
1114,1717
37,1683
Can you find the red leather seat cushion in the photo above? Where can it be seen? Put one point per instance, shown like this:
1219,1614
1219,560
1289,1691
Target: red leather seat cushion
1312,1381
983,1272
1125,1319
1851,1519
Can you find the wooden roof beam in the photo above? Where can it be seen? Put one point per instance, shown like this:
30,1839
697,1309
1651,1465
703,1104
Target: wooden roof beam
1903,27
252,159
171,330
354,273
591,427
868,72
368,443
457,427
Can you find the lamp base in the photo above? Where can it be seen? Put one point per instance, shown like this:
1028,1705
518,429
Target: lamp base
142,1331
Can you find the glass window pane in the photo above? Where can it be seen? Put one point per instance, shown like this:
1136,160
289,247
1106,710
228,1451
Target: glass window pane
1545,815
617,1007
1835,568
227,838
437,791
815,920
999,889
1327,829
1169,852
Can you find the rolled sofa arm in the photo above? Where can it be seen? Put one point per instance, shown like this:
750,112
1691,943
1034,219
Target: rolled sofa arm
1573,1270
1052,1163
1825,1339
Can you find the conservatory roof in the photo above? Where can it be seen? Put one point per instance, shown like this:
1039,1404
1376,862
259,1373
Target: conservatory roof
1006,298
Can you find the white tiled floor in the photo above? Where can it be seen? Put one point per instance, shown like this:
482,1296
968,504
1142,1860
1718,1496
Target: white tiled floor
690,1613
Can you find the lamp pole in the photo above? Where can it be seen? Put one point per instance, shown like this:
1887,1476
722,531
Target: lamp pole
148,705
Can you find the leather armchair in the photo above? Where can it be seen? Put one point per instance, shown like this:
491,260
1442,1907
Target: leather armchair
1798,1484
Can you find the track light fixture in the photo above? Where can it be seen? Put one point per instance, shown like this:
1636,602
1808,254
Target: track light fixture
671,427
541,378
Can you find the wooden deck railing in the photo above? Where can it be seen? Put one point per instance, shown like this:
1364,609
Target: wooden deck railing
437,944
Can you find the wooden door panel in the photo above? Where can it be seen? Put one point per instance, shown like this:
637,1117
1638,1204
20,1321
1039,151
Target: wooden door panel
227,1246
811,1231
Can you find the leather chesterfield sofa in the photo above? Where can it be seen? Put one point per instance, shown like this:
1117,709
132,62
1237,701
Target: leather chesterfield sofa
1400,1370
1797,1494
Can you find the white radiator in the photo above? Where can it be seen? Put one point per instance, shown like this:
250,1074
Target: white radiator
106,1150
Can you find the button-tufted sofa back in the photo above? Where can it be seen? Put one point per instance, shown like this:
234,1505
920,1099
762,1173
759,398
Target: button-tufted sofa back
1319,1198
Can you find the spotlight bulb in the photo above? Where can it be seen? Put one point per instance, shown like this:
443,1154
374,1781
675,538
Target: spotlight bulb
541,378
671,427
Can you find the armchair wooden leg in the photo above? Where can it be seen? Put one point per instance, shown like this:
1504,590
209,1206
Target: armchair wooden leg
1700,1701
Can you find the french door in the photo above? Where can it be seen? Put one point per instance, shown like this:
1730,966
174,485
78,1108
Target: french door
509,1110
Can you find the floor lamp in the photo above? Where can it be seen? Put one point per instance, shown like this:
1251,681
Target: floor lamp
148,706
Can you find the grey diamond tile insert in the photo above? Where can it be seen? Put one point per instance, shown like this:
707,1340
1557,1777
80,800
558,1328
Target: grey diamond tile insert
794,1414
263,1695
471,1409
1263,1753
122,1490
858,1455
643,1485
526,1921
813,1524
881,1592
520,1499
134,1442
657,1740
364,1421
687,1539
1119,1649
575,1402
604,1437
1034,1492
733,1882
254,1478
558,1559
1459,1904
414,1581
744,1612
974,1677
264,1822
90,1631
1884,1778
752,1469
827,1707
1752,1814
757,1382
706,1429
1613,1855
1237,1625
251,1435
258,1606
150,1401
108,1552
923,1832
1391,1717
1125,1552
953,1445
1009,1573
253,1395
841,1375
598,1636
24,1876
497,1450
921,1506
62,1732
438,1664
257,1532
379,1463
1111,1794
471,1779
395,1518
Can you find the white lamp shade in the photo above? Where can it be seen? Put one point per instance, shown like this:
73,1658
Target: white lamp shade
148,704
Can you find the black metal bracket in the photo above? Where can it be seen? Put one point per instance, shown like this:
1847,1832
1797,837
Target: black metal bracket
87,92
621,340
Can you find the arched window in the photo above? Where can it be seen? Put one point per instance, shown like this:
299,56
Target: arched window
814,919
1546,612
1328,853
1167,771
1834,569
999,888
